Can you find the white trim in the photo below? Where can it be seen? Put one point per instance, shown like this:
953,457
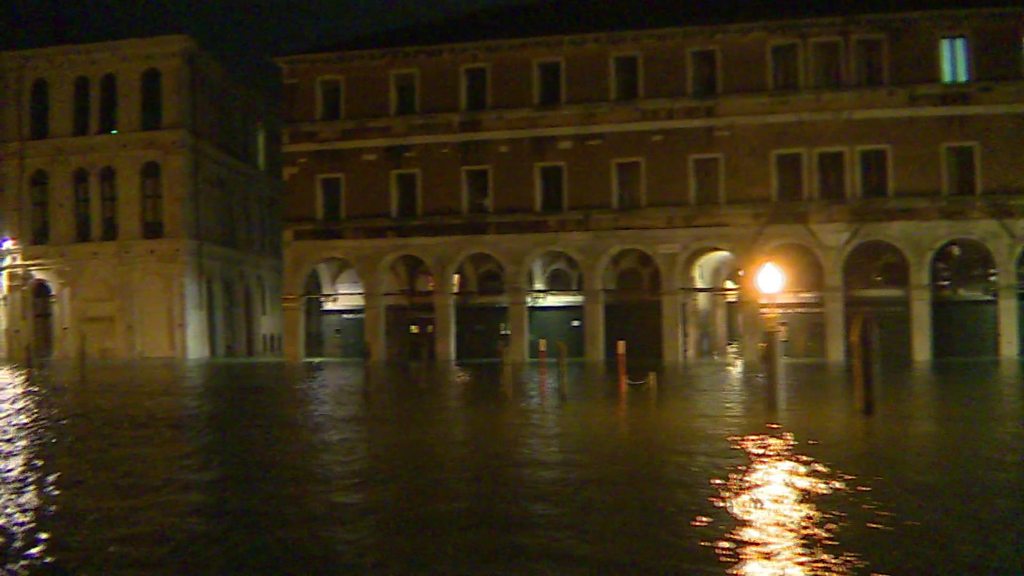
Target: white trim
320,197
775,176
490,187
536,79
945,169
884,40
657,125
615,180
319,97
800,80
815,192
858,191
718,68
811,61
394,190
463,85
613,79
690,165
537,184
393,110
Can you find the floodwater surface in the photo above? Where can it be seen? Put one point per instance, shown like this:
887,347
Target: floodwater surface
328,468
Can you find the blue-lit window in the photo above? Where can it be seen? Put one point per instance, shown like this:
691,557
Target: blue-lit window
953,54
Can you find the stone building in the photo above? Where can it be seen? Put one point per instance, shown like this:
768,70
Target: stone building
140,196
446,199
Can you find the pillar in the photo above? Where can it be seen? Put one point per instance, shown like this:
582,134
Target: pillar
593,325
374,327
1009,337
690,321
294,335
444,326
671,327
835,324
921,323
518,326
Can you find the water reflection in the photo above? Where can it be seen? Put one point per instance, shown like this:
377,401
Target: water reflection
22,544
780,530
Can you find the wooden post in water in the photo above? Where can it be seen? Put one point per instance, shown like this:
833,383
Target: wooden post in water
563,371
862,355
620,356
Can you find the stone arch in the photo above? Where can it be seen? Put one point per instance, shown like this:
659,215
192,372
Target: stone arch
333,306
632,281
408,285
799,307
963,282
554,281
631,270
801,263
876,286
481,274
481,314
712,318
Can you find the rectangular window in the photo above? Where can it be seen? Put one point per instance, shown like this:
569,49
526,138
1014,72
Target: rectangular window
474,88
328,98
625,77
551,188
788,169
785,66
548,83
827,63
873,172
830,174
405,194
960,169
703,73
706,174
953,57
869,61
628,184
476,190
332,190
404,97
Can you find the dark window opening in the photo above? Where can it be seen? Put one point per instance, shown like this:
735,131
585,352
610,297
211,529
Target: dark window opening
831,176
629,184
961,172
552,189
785,66
108,204
330,98
82,107
868,62
826,59
404,87
707,181
478,190
39,190
39,110
789,177
406,195
108,104
330,198
152,100
627,77
874,173
475,88
549,79
704,73
83,216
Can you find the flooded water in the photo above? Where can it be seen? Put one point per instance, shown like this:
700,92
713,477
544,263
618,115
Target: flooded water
269,468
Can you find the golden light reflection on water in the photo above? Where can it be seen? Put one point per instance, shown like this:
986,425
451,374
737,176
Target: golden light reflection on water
22,545
779,530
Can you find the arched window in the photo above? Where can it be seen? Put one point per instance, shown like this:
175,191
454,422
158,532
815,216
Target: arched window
39,110
83,219
152,100
82,106
108,204
152,202
108,104
39,188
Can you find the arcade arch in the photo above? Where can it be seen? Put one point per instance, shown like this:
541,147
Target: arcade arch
964,297
555,299
632,310
876,277
481,313
333,310
712,318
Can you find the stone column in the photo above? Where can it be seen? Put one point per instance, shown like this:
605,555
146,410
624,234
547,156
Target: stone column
444,326
593,325
1009,337
921,323
671,327
374,327
690,320
519,326
835,324
294,335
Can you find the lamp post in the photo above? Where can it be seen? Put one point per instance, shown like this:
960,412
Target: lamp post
770,280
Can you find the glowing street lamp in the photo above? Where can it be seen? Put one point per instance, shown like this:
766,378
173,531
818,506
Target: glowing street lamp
770,279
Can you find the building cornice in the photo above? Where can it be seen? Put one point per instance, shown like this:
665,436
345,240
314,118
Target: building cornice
71,56
657,35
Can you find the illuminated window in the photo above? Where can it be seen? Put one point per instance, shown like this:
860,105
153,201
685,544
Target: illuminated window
39,110
953,54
